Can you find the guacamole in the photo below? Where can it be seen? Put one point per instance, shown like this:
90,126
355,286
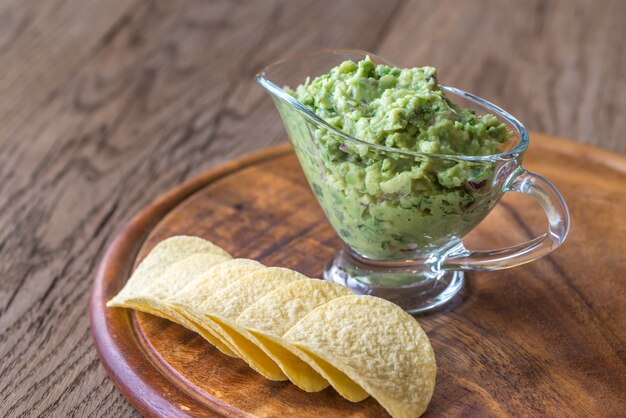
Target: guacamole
385,203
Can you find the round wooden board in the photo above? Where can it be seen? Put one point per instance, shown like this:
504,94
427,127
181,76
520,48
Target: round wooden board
545,339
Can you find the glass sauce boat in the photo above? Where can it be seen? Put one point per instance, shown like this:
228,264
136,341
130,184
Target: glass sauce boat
406,245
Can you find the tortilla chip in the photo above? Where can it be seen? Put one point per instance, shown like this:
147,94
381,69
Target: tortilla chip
282,308
286,325
163,282
270,317
376,344
217,313
165,253
202,287
148,288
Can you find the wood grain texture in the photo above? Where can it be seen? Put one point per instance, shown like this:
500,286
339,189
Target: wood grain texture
105,105
42,44
546,339
556,64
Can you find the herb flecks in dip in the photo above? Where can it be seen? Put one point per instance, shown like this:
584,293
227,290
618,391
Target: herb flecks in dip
400,108
385,203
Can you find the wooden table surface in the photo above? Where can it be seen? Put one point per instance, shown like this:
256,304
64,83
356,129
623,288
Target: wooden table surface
106,105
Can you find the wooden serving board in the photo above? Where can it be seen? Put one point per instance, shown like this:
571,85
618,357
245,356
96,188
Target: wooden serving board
545,339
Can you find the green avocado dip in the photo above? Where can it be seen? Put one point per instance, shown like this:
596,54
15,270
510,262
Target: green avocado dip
389,203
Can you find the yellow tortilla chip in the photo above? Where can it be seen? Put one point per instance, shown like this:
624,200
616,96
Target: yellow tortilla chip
282,308
176,248
152,298
168,281
285,325
165,253
203,286
376,344
270,317
218,312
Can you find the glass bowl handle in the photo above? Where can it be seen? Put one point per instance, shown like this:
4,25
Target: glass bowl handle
549,197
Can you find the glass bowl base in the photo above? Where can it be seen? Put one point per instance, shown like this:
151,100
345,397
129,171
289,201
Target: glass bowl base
414,287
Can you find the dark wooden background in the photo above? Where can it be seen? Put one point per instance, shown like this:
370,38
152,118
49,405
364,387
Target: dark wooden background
104,105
